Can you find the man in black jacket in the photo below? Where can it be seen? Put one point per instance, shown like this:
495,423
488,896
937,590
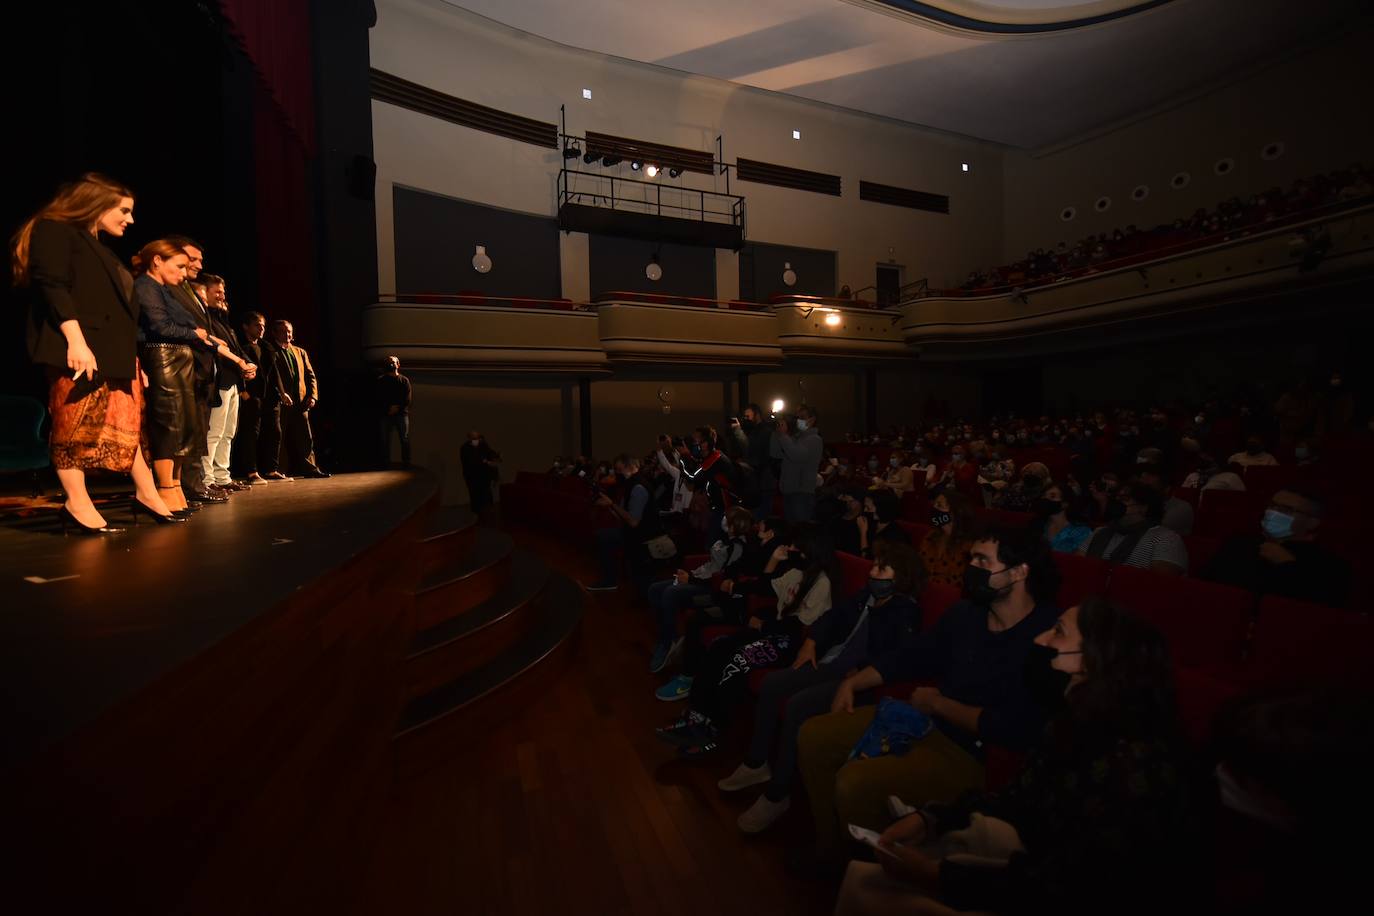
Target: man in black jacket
224,417
193,479
258,437
754,439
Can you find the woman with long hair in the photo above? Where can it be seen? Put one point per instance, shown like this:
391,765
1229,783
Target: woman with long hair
945,551
1095,819
83,329
169,334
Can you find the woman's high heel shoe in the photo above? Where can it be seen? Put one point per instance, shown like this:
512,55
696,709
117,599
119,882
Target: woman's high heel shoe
138,507
69,520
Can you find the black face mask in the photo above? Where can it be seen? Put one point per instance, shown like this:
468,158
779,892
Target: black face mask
1044,506
881,588
1046,684
977,587
940,519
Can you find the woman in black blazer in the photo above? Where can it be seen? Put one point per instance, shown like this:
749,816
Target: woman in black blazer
83,328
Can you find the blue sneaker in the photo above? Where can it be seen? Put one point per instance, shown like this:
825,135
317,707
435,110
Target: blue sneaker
676,689
660,657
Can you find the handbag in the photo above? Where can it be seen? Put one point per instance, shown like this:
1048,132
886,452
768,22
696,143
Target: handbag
661,547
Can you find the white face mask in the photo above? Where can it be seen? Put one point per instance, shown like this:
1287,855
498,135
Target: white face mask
803,425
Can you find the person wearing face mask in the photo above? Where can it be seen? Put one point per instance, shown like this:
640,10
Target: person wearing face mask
800,576
849,636
668,599
479,462
392,392
962,474
1099,813
1136,537
845,529
714,474
754,441
800,454
639,523
924,474
944,551
1061,519
1305,454
878,523
1253,455
1283,558
1212,476
1026,490
897,479
976,653
1177,513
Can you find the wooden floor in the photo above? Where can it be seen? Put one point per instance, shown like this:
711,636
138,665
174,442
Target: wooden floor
573,806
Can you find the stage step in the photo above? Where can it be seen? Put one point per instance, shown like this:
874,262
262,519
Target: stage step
450,532
463,583
456,712
464,643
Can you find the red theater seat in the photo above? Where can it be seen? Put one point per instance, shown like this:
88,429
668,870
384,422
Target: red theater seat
1200,695
1266,480
1297,641
917,532
1003,518
1081,577
935,600
1205,623
853,575
916,507
1200,552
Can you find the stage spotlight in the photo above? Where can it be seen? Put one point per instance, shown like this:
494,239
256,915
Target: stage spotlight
609,161
571,151
589,157
674,172
778,405
651,171
635,165
653,270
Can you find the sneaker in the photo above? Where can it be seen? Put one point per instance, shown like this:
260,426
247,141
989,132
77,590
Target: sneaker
677,689
659,659
691,729
898,808
601,587
762,814
744,777
674,651
704,744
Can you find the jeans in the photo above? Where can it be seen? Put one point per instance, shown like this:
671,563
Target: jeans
800,695
615,546
224,422
798,507
668,599
400,422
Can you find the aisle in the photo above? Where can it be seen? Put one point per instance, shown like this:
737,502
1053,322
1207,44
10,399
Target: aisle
573,806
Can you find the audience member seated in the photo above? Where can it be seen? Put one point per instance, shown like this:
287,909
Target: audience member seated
1098,814
848,637
1061,519
898,480
1178,513
977,656
924,473
1305,454
672,596
714,474
1253,454
962,475
879,521
800,575
1022,495
1283,558
1211,476
944,551
844,528
639,523
1136,538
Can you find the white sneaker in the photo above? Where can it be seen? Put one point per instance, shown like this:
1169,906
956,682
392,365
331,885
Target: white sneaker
762,814
744,777
898,808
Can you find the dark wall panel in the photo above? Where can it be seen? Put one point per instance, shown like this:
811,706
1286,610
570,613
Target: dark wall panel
436,237
618,264
761,266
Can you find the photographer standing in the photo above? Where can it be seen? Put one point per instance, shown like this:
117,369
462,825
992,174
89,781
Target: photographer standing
754,438
639,522
479,469
800,452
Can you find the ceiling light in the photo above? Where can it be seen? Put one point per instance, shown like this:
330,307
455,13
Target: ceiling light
653,270
833,319
651,171
635,165
778,405
480,262
586,93
674,172
571,151
796,135
965,166
789,276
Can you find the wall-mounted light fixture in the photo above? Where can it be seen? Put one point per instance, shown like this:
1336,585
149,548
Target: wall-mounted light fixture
653,270
789,276
480,262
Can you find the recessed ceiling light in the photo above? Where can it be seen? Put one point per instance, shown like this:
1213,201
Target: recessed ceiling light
796,135
965,166
586,93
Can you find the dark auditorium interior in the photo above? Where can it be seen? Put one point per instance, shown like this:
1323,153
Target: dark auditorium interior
964,407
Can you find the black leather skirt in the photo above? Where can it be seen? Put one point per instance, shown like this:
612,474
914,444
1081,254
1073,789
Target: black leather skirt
173,420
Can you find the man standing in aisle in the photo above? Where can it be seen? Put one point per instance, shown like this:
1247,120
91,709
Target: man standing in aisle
801,460
393,400
299,380
480,469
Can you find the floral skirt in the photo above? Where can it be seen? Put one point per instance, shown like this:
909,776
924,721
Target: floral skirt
95,424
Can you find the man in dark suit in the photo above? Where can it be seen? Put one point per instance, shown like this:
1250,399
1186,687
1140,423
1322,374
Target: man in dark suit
258,439
207,389
298,379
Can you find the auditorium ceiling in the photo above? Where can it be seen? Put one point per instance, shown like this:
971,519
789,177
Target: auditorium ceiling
1025,73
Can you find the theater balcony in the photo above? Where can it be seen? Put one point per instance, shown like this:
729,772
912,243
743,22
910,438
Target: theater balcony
638,328
483,334
1324,261
816,326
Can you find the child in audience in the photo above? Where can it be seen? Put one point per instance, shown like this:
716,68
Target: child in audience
944,551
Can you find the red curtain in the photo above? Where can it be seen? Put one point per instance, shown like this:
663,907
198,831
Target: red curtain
276,36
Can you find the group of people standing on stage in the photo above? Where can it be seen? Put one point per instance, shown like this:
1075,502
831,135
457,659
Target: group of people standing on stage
146,373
